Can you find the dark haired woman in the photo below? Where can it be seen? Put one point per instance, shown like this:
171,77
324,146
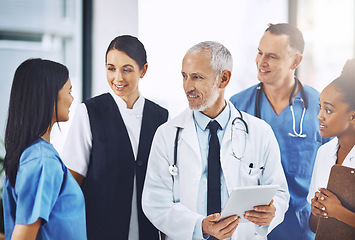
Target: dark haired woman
336,119
108,145
41,198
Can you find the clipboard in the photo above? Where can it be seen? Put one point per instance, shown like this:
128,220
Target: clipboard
243,199
342,184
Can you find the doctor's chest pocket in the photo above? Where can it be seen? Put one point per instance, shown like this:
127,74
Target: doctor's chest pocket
300,155
250,176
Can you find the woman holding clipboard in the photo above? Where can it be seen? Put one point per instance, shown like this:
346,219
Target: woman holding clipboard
336,119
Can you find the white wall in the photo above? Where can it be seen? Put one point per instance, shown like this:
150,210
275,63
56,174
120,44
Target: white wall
328,28
169,28
111,18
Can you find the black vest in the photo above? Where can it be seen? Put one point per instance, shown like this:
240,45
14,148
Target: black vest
108,185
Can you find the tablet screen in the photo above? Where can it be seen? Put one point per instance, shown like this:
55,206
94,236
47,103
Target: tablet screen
243,199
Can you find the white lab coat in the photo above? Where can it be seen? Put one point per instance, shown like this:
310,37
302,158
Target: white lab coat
170,204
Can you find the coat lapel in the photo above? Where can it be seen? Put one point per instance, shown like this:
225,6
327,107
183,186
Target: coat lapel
189,160
188,133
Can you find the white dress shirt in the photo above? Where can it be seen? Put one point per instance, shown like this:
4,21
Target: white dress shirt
326,158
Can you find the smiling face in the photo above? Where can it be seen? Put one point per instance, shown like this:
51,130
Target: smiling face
123,74
334,115
65,100
276,61
201,84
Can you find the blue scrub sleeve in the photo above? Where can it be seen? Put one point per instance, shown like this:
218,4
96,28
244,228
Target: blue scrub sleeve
38,185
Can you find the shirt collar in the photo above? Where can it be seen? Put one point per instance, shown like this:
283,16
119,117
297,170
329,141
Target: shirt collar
137,106
351,155
202,120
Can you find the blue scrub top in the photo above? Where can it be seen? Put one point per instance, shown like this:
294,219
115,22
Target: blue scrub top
45,189
297,154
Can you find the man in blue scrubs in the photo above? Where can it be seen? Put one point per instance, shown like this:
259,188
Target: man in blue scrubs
296,128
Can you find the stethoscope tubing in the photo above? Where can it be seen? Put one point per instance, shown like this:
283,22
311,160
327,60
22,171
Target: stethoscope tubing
305,105
259,89
173,169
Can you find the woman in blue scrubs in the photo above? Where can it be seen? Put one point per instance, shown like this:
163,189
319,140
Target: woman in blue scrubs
41,199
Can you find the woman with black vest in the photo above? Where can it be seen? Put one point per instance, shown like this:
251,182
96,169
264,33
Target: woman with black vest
108,145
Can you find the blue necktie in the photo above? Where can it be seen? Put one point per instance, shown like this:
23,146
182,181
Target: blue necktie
214,171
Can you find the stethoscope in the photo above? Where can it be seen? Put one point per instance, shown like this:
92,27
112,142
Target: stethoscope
173,169
303,100
239,134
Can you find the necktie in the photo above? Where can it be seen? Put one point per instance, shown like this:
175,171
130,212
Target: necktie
214,171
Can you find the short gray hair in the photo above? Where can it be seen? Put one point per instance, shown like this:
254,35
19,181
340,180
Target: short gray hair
221,58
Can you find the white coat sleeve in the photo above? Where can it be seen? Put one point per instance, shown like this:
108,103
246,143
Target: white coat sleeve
274,174
77,147
172,218
313,186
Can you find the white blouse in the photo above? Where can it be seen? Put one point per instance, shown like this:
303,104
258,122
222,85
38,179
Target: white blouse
326,158
78,144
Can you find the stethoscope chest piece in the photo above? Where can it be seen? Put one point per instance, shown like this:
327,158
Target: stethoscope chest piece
173,170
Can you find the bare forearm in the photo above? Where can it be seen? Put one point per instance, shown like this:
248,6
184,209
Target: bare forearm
78,177
326,204
26,232
346,216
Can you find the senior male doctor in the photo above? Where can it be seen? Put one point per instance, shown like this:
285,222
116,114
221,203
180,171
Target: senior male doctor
200,156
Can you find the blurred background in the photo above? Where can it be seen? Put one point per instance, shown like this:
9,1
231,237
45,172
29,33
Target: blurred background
77,33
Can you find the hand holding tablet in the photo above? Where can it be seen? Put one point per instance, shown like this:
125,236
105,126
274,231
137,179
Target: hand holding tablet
245,198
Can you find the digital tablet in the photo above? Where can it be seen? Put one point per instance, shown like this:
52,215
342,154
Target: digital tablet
243,199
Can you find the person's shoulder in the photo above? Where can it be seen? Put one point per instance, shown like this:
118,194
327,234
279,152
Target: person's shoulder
100,105
40,153
97,98
253,121
311,92
156,107
178,121
328,146
244,93
182,117
310,89
312,96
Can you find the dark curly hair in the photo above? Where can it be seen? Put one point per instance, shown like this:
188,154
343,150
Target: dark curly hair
345,84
